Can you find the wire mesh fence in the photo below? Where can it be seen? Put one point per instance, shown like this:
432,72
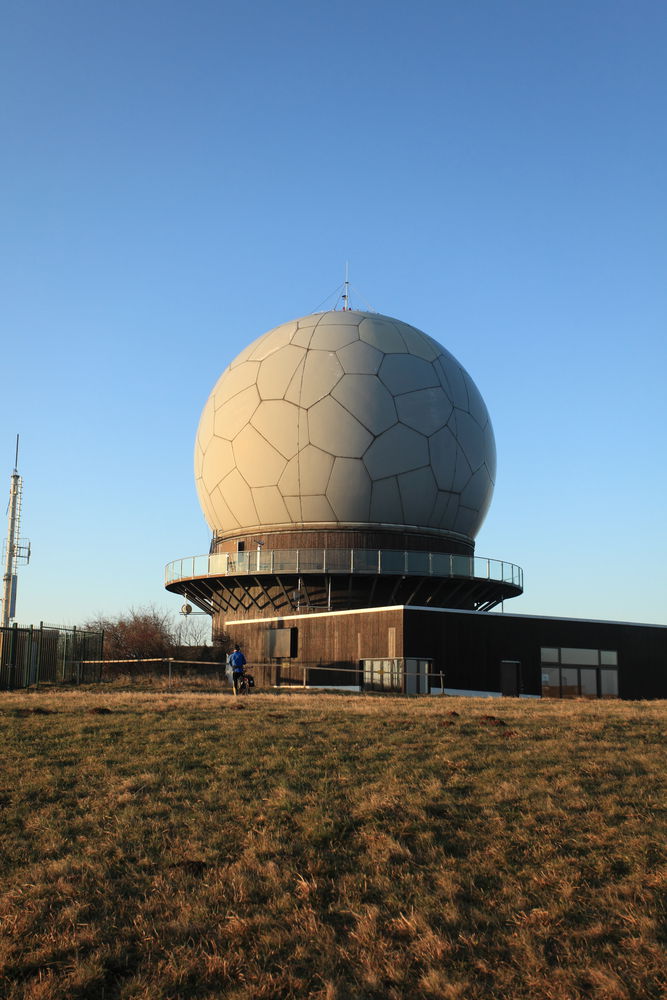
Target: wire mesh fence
33,655
396,674
164,668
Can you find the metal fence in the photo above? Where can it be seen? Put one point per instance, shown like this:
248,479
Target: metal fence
397,674
161,668
32,655
266,675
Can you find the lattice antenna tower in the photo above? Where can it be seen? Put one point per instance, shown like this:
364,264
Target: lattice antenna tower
16,549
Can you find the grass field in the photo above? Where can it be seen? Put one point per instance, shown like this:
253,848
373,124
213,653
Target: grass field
159,845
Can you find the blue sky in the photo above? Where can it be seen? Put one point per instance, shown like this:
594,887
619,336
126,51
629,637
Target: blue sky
177,178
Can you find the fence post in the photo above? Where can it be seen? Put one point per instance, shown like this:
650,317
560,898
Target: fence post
39,653
12,657
15,669
304,675
442,683
170,662
31,646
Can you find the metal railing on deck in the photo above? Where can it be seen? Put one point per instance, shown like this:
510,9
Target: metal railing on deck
389,562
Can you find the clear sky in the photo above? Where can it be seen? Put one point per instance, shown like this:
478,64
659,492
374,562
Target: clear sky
177,178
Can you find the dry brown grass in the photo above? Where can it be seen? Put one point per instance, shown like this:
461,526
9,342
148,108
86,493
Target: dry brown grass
330,846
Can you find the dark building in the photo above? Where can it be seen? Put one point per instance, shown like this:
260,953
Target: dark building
419,650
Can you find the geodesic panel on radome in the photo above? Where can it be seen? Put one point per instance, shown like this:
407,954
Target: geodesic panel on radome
382,333
274,341
360,358
418,493
316,510
280,423
452,377
420,344
333,336
220,462
333,429
471,439
239,498
399,449
221,510
289,483
368,400
345,418
386,506
349,490
206,428
406,373
321,372
235,381
276,373
313,468
465,520
259,462
476,406
446,507
304,334
475,494
444,450
232,416
424,409
271,507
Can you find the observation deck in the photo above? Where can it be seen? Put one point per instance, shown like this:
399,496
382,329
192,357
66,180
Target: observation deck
265,583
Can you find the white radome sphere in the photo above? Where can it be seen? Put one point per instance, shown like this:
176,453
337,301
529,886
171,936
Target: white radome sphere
345,419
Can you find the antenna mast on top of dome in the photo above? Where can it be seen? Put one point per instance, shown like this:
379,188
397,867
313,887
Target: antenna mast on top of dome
17,549
346,288
342,294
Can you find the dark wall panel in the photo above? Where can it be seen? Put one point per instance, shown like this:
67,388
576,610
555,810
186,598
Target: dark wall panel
470,647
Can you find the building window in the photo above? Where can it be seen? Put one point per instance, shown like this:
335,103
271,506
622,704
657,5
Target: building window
582,673
588,682
609,683
395,673
551,682
582,657
383,674
569,682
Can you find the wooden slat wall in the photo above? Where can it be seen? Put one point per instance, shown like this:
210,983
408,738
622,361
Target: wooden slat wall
345,538
331,641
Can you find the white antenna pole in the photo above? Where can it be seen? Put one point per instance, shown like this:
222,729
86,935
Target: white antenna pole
346,293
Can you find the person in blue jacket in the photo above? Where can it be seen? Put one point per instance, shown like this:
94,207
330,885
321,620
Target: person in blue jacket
237,662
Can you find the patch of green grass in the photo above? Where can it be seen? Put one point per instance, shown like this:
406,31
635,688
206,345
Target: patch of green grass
330,846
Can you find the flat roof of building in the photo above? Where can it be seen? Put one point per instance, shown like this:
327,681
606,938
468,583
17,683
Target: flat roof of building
449,611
